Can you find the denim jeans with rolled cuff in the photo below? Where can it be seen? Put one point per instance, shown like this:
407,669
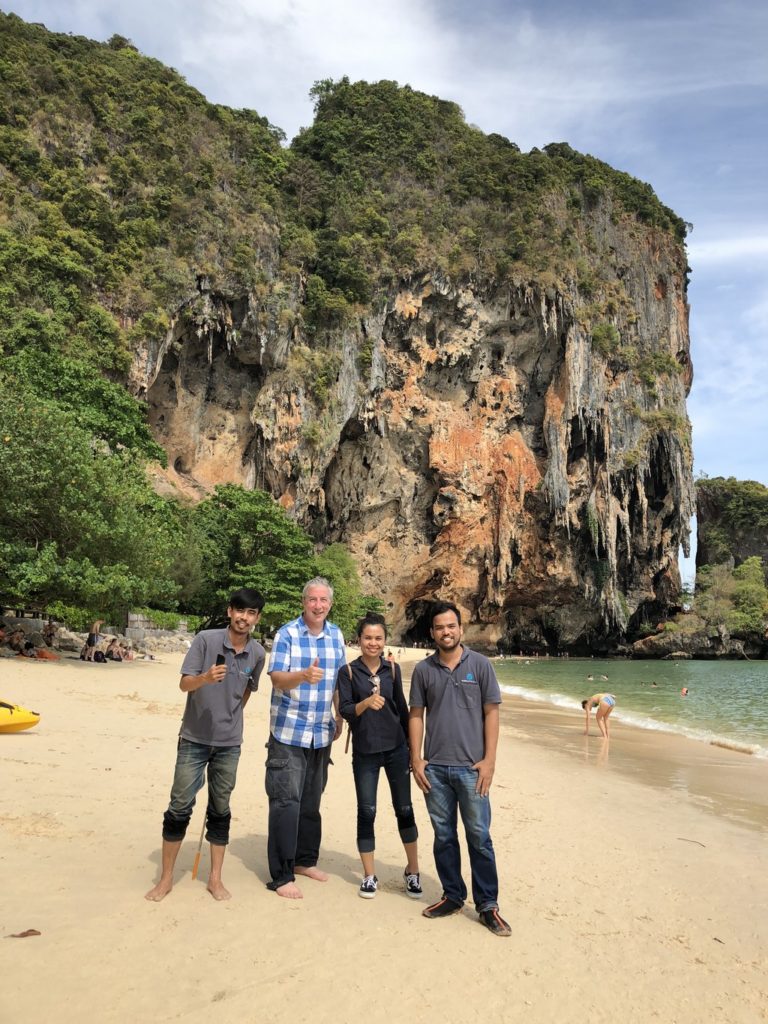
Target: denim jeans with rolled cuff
189,777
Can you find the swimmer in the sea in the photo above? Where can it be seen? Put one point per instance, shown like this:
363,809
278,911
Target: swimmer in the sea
605,703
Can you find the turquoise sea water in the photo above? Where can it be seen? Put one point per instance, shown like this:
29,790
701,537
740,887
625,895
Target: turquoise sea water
727,701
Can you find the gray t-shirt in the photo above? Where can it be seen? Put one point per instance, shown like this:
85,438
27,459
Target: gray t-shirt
214,714
454,703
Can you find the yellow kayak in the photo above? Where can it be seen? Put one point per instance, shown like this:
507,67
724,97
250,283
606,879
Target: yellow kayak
15,719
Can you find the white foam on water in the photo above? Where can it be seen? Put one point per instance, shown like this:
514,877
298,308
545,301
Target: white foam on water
639,721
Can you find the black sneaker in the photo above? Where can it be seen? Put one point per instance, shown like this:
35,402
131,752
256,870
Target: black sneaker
368,887
412,885
495,923
443,908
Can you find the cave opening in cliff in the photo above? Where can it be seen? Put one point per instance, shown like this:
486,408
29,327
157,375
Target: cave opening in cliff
262,472
418,615
655,479
587,440
551,637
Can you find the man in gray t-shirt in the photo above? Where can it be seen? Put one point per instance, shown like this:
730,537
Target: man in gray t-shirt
459,691
218,675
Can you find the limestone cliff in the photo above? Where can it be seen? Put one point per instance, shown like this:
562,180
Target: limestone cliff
467,363
488,449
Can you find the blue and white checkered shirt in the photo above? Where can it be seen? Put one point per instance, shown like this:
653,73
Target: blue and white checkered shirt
303,716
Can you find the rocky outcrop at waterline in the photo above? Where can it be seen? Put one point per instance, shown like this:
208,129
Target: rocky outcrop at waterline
699,645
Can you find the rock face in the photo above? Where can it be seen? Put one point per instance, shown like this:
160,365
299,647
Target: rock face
520,447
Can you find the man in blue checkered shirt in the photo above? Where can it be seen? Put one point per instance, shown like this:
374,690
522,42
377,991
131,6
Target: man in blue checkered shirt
304,721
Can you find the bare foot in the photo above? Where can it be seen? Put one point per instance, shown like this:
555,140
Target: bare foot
217,890
160,891
313,872
290,891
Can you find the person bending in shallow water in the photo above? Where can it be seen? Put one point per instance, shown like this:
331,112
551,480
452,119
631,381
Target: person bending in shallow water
605,703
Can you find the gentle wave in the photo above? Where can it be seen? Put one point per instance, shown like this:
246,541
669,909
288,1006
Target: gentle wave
560,700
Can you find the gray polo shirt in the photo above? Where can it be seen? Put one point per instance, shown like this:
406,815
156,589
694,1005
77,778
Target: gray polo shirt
454,703
214,714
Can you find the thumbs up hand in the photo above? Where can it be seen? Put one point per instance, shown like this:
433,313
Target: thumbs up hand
314,673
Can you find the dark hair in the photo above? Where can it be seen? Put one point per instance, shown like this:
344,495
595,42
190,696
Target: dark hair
440,608
584,704
246,597
372,619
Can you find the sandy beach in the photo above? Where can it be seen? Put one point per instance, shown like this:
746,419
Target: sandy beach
633,896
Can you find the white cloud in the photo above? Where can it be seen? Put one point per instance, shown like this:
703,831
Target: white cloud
756,317
726,250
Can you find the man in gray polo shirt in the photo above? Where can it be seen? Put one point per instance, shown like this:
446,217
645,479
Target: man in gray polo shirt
460,692
219,673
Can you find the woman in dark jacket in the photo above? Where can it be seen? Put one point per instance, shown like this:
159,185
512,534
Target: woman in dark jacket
371,699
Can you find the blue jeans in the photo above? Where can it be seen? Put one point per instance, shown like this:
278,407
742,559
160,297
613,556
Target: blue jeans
454,788
396,765
188,779
295,781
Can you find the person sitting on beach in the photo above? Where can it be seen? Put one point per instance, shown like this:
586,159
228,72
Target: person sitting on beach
605,703
126,653
17,641
113,652
92,640
49,632
371,700
41,653
5,650
219,672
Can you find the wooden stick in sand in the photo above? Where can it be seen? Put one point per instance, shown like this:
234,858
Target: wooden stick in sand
196,865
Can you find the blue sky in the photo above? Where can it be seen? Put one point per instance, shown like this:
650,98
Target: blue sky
675,93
